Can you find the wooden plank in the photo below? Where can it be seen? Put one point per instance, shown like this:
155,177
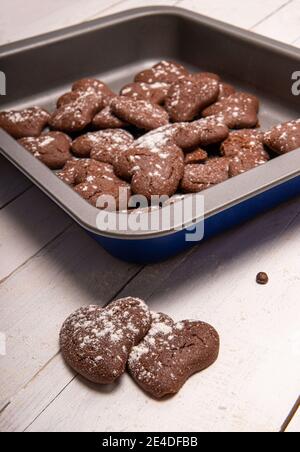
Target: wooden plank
28,403
284,25
13,183
130,4
27,225
39,392
297,43
45,16
235,12
294,426
70,272
246,389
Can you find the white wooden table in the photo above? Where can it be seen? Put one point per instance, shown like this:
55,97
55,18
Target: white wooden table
49,267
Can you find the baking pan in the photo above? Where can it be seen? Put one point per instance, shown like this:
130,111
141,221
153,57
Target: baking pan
113,49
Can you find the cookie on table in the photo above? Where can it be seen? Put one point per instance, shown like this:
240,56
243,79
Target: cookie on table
75,112
103,146
196,156
245,150
106,119
201,133
152,92
141,114
53,148
199,177
171,353
239,111
96,342
165,71
29,122
284,138
187,98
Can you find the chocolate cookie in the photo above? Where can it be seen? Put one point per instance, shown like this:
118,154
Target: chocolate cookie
73,96
165,71
53,148
150,144
226,90
96,342
204,132
187,98
196,156
156,176
103,146
245,150
78,171
89,170
239,111
155,92
68,172
205,75
106,119
284,138
141,114
96,86
171,353
76,111
95,188
24,123
154,163
199,177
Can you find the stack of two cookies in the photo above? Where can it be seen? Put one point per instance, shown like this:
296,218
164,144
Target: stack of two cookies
99,343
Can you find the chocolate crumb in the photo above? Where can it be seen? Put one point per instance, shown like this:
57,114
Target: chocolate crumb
262,278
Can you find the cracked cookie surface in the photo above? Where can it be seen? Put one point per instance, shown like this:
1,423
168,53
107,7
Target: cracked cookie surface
171,353
96,342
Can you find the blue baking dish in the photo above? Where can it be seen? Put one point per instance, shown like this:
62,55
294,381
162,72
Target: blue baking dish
145,251
40,69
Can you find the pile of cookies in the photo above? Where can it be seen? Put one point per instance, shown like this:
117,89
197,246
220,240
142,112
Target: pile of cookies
170,131
160,355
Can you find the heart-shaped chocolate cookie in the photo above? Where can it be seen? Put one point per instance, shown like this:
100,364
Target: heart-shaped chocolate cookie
171,353
164,71
103,146
96,342
238,111
204,132
95,86
76,111
154,164
152,92
188,97
29,122
284,138
139,113
245,150
52,148
199,177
